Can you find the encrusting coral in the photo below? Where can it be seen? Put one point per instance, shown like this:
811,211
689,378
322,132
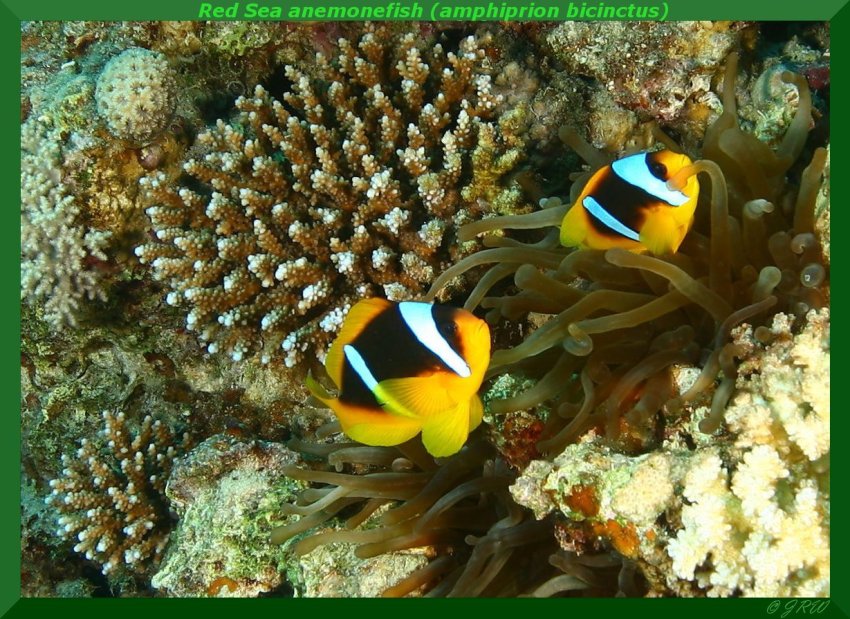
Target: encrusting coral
111,496
621,321
56,249
654,68
350,186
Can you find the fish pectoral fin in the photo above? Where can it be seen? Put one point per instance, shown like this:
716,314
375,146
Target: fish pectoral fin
419,396
445,433
573,226
367,426
661,234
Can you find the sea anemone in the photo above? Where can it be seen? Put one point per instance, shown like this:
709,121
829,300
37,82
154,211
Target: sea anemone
621,321
481,542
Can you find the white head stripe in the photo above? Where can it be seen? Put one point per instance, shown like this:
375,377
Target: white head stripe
635,172
597,210
360,366
418,317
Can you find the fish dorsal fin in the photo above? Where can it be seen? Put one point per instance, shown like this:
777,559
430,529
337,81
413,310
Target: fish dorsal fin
418,396
358,318
445,433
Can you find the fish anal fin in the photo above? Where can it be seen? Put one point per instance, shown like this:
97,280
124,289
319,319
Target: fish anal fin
383,432
444,434
357,319
476,412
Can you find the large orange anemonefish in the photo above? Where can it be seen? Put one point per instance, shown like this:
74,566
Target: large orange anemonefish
628,204
404,368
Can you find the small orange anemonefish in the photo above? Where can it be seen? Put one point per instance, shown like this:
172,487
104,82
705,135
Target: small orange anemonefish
628,204
404,368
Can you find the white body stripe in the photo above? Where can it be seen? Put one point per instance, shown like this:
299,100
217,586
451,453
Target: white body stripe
634,171
418,317
598,211
357,362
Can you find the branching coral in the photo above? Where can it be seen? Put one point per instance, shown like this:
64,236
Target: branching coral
780,546
55,247
349,186
112,497
620,321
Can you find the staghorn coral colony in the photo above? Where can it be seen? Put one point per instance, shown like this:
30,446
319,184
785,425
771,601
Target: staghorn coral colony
202,202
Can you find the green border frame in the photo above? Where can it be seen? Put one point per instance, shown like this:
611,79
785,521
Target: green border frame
12,12
814,10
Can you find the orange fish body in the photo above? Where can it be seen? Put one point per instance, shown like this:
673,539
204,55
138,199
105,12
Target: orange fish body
405,368
628,204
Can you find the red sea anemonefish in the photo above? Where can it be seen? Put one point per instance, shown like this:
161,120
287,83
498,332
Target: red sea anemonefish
629,204
404,368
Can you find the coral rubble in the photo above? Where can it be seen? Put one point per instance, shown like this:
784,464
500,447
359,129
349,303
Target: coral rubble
346,187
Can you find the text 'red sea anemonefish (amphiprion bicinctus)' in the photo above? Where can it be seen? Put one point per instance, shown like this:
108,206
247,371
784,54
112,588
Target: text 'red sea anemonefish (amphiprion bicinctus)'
405,368
629,204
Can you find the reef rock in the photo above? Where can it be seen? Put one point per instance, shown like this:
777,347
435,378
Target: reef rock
225,492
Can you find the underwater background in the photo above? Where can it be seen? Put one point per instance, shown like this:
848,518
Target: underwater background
203,202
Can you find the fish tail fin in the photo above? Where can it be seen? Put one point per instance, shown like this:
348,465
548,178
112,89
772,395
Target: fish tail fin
573,227
445,433
366,426
318,391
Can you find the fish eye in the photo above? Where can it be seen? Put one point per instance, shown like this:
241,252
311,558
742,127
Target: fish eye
658,169
448,327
